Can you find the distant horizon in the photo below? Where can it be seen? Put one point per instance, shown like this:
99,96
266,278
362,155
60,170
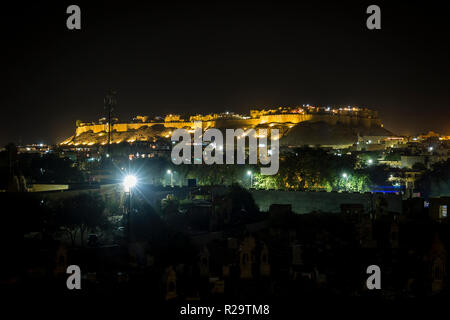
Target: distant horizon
57,140
154,115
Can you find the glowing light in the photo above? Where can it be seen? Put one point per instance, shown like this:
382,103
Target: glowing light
249,173
130,181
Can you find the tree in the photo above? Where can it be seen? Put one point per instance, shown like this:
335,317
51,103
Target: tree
145,223
313,169
23,213
436,182
241,199
81,213
169,205
419,166
378,174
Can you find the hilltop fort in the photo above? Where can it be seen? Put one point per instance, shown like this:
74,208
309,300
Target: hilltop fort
297,125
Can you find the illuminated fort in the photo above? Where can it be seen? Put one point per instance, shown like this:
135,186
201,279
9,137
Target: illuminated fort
286,119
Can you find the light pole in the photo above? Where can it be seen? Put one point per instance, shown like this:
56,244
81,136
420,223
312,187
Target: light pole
249,173
129,182
109,103
171,177
345,176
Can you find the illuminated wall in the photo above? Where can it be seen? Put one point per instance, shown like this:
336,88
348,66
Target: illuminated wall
96,133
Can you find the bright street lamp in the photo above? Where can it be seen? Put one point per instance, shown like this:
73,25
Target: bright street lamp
249,173
346,176
129,183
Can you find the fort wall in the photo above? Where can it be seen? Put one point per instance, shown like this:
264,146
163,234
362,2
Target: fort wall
288,117
348,120
306,202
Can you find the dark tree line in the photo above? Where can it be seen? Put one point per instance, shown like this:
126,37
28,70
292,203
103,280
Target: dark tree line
435,182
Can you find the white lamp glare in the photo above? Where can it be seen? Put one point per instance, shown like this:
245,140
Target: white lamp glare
129,181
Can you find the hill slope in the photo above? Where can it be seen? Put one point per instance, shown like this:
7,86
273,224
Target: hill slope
321,133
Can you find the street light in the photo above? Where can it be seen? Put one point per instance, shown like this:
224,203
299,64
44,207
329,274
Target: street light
370,161
249,173
171,177
129,183
345,176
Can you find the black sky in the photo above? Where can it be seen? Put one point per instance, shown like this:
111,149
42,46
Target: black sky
199,58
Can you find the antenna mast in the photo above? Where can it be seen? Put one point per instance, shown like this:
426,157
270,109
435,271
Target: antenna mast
109,103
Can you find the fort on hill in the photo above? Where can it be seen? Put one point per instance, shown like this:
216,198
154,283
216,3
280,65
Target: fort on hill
297,125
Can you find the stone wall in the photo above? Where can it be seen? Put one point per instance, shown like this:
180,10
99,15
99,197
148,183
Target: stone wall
306,202
345,119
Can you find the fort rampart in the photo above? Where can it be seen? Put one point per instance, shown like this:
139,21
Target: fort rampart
363,120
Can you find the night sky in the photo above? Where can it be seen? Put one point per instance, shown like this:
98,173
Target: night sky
203,58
